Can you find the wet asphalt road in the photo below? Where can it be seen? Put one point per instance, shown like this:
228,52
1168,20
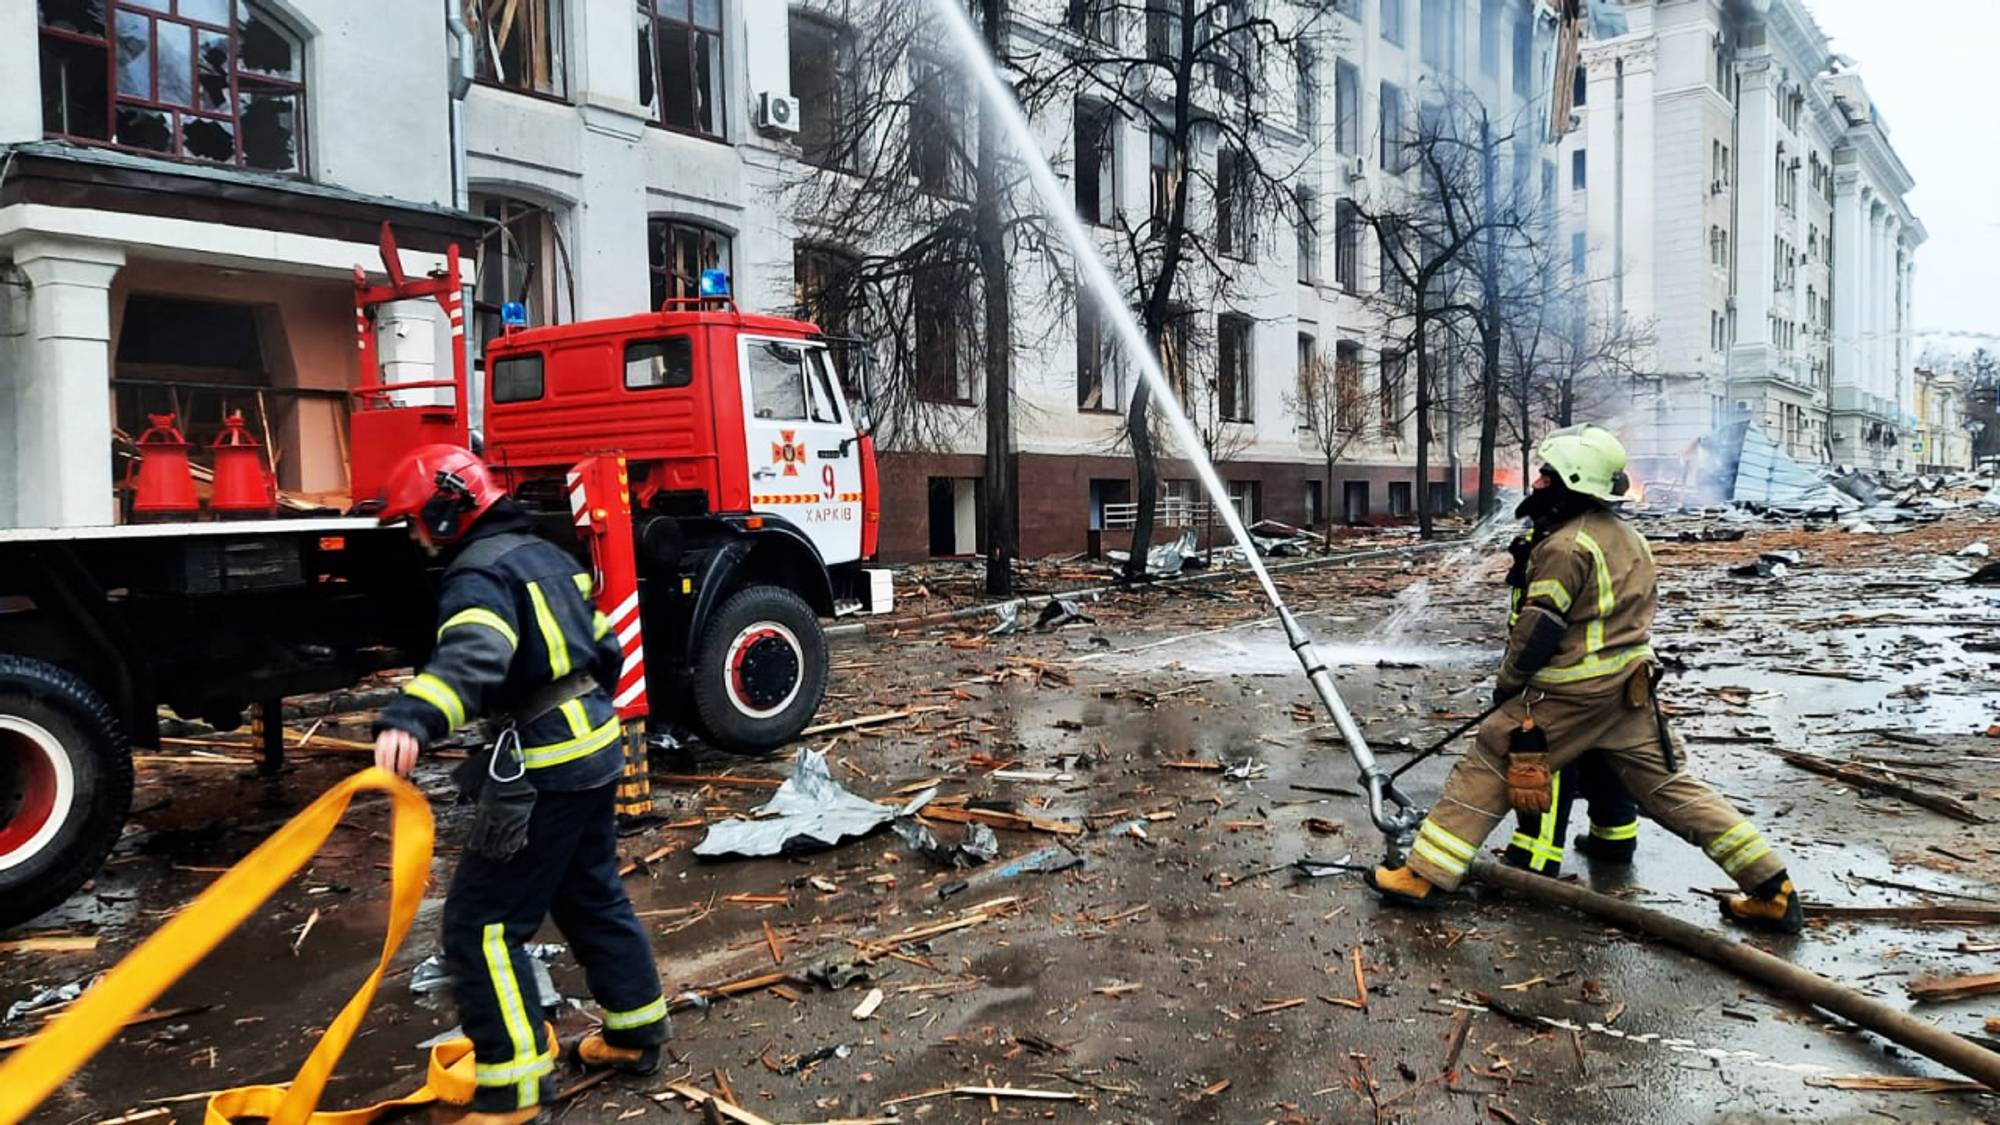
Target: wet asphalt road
1216,942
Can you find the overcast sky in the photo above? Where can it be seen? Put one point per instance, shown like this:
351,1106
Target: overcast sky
1933,71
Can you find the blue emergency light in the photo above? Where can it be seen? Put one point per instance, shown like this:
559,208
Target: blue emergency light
714,283
513,315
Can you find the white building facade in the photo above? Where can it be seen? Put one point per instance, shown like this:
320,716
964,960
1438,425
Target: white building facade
1745,206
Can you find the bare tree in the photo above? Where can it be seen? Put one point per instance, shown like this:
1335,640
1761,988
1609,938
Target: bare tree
1434,234
1193,78
916,217
1562,362
1333,407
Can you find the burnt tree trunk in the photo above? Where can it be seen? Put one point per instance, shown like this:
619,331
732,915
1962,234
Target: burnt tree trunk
1002,495
1489,336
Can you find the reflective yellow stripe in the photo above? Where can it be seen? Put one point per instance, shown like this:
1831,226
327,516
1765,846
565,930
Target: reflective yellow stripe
579,721
541,757
1729,841
552,635
1607,599
599,626
438,694
1595,665
486,617
1744,858
1450,843
583,584
1615,831
528,1063
637,1017
1751,847
1551,589
1444,862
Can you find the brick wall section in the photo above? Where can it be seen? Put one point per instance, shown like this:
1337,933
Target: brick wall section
1055,495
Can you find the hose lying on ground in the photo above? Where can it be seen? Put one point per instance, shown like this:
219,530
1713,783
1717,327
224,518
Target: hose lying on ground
1754,964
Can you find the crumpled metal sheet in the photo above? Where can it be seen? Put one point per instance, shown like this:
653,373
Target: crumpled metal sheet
978,845
809,812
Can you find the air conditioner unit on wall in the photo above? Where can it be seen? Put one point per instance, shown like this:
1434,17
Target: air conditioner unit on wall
777,113
1717,187
1352,167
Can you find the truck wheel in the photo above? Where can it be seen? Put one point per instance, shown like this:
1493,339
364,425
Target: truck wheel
65,785
761,671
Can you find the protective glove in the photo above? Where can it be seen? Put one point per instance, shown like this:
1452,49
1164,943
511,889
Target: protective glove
500,825
1504,691
1530,787
1529,783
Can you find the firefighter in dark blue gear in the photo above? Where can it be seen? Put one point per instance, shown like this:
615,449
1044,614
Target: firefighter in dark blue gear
519,642
1613,835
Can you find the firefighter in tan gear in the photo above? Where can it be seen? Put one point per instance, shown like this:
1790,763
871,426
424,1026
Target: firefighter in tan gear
1579,675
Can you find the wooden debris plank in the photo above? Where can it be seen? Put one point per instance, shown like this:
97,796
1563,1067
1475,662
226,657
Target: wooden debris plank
59,944
1934,989
1878,781
994,819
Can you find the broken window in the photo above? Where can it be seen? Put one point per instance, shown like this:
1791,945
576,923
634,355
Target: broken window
1096,162
1393,126
1098,386
1235,226
1163,30
823,81
1390,406
680,64
1233,336
1347,386
826,285
517,261
936,304
517,43
939,130
1165,176
676,253
193,79
1347,246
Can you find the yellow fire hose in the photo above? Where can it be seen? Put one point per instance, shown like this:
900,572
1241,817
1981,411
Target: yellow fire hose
131,987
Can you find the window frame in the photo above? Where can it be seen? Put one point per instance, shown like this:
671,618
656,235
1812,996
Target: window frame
1391,18
1235,382
1103,155
1346,108
541,378
178,115
1098,375
1235,210
938,333
555,15
1347,246
1306,230
832,96
625,357
928,76
651,23
1348,416
656,270
1392,370
1392,118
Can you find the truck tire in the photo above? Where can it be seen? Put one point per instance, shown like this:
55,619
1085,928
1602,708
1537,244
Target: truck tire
65,785
760,673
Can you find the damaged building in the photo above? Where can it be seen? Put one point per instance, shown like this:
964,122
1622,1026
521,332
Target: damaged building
186,188
1737,191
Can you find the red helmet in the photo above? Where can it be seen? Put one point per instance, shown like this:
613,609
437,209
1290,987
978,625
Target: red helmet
447,487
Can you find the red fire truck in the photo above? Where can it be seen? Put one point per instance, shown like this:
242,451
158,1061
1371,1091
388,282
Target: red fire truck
704,461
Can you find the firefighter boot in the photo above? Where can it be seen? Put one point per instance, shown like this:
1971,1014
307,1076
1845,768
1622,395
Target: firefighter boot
596,1054
1608,844
1773,906
1400,886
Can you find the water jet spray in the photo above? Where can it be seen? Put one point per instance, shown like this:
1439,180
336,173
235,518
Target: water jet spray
1393,812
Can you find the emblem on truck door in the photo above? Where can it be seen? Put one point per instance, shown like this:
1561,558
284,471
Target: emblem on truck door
788,451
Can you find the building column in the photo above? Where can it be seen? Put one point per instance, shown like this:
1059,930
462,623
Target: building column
1847,229
61,388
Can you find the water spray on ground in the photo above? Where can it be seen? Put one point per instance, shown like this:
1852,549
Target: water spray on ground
1392,812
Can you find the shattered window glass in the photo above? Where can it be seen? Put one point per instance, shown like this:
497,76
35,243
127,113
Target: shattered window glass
210,80
682,63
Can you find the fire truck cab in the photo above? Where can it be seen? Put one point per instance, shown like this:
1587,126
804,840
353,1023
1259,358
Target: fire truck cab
752,489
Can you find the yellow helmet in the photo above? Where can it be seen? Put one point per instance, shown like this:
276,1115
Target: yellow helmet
1588,459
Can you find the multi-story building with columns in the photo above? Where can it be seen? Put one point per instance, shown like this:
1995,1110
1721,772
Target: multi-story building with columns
1745,206
187,185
